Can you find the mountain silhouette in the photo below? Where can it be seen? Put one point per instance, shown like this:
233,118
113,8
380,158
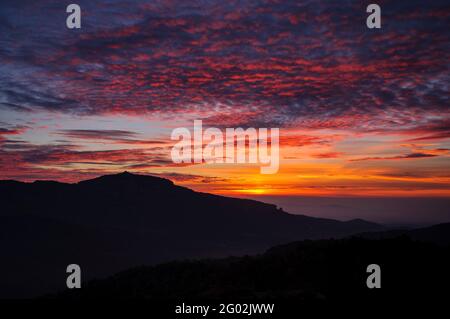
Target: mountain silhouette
298,274
115,222
437,234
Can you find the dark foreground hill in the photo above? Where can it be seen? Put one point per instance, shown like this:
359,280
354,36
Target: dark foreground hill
301,274
115,222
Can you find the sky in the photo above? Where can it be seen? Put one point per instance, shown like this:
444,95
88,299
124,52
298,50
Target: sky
361,112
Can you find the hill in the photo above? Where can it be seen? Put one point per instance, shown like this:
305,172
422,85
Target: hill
300,274
115,222
438,234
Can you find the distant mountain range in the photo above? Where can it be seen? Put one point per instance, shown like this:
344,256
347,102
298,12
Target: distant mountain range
436,234
115,222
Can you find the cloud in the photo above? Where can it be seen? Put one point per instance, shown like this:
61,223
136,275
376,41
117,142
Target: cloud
255,63
8,130
97,134
437,128
190,178
26,156
300,140
113,136
13,130
299,65
398,157
328,155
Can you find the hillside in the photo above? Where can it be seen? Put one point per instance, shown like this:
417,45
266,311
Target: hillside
115,222
297,275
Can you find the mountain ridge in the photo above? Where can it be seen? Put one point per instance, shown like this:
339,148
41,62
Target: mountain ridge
304,272
118,221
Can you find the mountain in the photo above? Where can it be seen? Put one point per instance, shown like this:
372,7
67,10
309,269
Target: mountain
438,234
115,222
294,276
